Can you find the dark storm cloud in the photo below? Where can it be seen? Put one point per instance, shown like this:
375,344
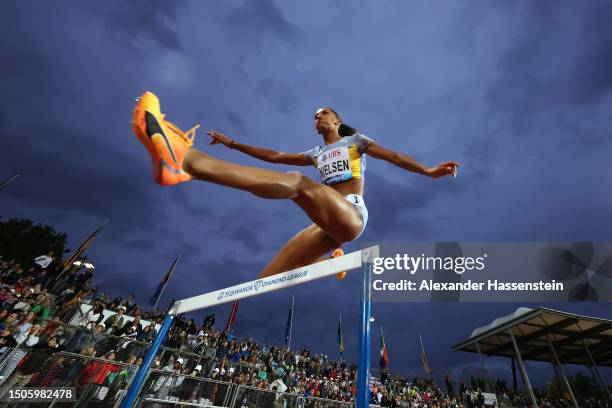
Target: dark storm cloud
518,88
252,20
80,185
196,209
479,156
236,121
279,94
141,22
550,69
142,244
471,17
590,135
591,76
191,250
247,237
396,207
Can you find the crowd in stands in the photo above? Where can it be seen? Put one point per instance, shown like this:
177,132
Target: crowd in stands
100,352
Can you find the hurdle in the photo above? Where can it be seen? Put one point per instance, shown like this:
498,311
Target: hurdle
359,259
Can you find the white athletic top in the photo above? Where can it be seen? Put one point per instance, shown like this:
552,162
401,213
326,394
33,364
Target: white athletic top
341,161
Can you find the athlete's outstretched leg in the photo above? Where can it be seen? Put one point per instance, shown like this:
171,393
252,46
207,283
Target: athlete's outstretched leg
307,246
324,205
261,182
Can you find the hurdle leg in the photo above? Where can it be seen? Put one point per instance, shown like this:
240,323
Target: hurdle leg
363,370
141,374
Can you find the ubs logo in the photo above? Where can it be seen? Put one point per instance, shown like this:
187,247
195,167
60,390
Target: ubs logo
334,153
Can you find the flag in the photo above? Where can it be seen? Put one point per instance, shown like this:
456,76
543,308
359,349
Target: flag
384,354
339,339
289,326
162,285
232,317
423,358
82,248
43,261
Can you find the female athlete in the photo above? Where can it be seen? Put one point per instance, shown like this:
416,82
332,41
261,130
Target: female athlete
335,205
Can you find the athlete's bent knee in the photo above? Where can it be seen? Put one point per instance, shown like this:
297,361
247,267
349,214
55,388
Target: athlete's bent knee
299,182
347,234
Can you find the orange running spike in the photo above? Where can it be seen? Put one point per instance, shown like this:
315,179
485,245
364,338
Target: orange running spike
166,143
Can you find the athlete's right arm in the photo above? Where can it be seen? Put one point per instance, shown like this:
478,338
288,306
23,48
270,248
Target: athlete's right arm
271,156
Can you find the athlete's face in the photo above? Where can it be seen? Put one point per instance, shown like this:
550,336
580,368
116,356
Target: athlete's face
325,120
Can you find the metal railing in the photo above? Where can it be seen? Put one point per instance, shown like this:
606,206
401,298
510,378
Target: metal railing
252,397
85,363
163,387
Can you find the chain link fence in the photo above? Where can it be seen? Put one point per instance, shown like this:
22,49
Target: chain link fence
313,402
98,382
101,366
251,397
164,388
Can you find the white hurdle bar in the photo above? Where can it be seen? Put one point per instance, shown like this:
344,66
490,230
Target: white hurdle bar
269,284
358,259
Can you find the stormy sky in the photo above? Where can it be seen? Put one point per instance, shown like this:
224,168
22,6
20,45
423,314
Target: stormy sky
519,92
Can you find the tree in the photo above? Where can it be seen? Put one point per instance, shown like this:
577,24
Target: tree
22,240
583,386
556,389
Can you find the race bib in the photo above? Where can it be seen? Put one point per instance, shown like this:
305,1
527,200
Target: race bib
334,165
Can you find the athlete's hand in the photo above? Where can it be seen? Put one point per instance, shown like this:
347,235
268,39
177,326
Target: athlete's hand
220,138
443,169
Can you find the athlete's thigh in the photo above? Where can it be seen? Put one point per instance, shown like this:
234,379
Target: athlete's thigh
331,211
306,247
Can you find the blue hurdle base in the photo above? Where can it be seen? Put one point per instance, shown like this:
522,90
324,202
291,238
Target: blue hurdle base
139,379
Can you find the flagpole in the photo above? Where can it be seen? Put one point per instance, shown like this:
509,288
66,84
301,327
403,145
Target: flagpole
291,323
424,358
383,346
341,339
69,262
7,181
161,293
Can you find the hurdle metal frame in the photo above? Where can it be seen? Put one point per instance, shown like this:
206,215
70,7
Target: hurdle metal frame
359,259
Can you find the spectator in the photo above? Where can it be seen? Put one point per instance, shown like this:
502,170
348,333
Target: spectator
6,337
41,310
11,319
95,377
94,315
27,341
167,382
134,324
71,307
114,323
30,364
147,334
29,337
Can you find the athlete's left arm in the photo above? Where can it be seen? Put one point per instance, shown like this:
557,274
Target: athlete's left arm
408,163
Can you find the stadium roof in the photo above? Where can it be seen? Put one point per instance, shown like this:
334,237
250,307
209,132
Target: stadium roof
531,328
